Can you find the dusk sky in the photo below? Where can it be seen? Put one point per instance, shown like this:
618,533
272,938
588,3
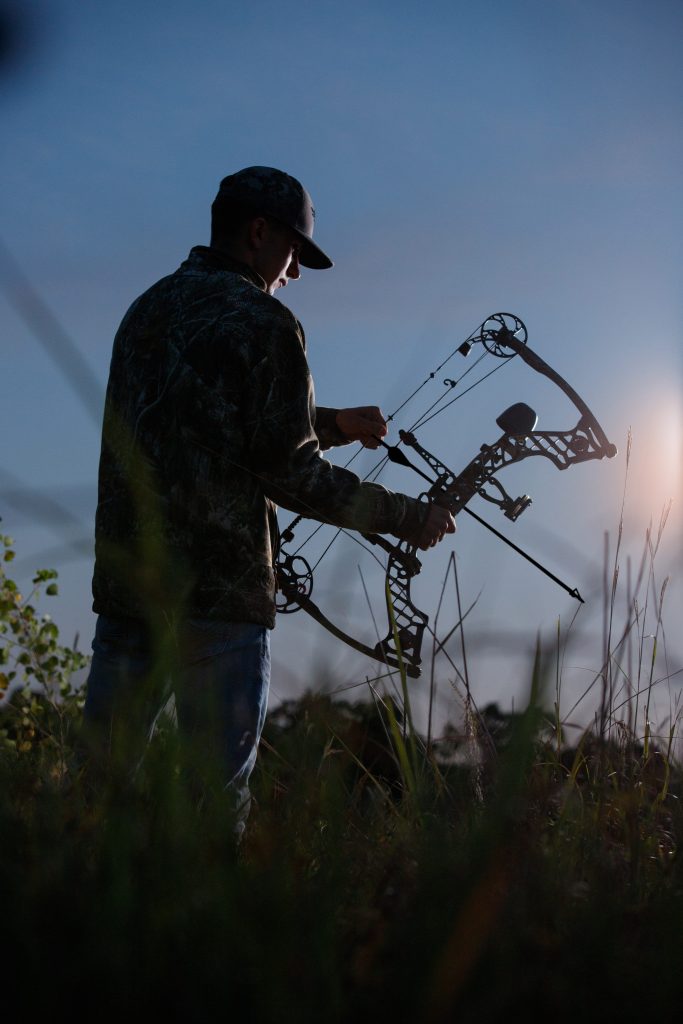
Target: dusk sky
463,159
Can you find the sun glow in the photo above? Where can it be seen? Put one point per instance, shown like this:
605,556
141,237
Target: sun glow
656,464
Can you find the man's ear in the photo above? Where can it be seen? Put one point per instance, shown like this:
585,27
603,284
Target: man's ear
257,232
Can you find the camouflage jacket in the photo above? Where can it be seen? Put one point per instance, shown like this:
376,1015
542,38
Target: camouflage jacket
209,420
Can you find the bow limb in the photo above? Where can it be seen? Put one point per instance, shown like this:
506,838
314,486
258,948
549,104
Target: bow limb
377,653
603,448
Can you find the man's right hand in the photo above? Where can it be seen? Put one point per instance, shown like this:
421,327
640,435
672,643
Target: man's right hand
438,523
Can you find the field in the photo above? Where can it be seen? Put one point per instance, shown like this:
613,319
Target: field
495,870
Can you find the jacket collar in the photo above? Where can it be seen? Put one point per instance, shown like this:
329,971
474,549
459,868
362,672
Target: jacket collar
203,257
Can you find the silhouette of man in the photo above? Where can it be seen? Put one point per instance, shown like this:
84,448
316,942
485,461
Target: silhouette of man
210,420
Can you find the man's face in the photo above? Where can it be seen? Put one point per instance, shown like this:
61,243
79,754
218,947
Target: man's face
277,257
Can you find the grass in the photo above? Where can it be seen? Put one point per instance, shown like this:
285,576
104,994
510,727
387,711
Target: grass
496,869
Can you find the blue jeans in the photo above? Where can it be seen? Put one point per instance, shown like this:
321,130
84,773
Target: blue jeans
219,673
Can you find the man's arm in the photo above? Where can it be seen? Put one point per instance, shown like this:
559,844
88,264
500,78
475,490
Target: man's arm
284,451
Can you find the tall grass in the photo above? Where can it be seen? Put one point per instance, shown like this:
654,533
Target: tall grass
495,869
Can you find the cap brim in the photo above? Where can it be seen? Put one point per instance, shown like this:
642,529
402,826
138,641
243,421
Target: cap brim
313,257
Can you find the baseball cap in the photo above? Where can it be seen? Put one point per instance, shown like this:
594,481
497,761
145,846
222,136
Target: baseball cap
281,196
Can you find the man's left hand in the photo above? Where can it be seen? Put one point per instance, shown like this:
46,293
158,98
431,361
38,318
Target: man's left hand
365,424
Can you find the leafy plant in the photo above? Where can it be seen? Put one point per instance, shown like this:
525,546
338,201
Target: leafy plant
39,701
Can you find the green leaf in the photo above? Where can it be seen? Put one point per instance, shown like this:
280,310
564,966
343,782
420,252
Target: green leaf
52,590
42,575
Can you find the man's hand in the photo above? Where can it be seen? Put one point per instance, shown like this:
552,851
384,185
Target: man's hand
365,424
439,522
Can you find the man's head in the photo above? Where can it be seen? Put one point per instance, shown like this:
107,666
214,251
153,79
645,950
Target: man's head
260,212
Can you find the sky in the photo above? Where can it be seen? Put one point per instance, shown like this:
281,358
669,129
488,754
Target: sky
463,159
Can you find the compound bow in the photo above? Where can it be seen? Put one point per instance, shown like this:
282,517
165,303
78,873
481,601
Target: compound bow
503,335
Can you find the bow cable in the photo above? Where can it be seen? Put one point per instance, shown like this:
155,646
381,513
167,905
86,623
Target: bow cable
375,471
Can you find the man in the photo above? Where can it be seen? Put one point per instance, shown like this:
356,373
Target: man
209,420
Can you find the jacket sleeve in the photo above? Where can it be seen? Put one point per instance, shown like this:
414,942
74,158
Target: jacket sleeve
325,422
328,433
283,448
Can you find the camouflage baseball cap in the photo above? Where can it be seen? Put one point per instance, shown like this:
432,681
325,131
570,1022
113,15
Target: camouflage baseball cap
281,196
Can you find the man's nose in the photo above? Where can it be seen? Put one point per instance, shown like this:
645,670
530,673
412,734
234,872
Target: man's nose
293,270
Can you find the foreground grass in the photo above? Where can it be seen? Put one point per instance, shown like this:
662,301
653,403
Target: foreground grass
533,882
381,876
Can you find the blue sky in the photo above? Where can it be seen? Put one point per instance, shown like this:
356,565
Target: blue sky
463,159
